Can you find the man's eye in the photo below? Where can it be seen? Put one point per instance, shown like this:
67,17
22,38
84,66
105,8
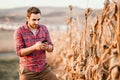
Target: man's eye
34,19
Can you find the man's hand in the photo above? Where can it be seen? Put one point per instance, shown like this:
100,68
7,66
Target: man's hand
43,46
48,48
37,46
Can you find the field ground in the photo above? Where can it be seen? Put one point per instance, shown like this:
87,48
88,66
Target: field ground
8,66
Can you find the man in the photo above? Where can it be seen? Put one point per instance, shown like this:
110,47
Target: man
32,40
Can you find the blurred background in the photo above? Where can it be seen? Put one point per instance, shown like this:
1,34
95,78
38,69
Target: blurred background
55,14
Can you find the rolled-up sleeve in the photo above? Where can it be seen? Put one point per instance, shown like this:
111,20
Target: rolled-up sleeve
48,37
18,41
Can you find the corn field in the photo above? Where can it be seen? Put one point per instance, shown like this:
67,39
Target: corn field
93,53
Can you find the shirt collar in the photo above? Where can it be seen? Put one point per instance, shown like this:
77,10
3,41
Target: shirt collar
26,26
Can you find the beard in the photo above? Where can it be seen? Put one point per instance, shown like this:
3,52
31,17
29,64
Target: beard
33,26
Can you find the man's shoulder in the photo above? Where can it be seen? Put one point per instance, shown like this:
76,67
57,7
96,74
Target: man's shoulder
20,28
42,26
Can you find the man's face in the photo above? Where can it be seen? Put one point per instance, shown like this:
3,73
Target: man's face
33,20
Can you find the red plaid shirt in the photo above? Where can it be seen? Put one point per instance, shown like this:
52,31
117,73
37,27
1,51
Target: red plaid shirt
35,61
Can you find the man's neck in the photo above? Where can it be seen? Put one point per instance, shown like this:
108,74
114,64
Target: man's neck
31,28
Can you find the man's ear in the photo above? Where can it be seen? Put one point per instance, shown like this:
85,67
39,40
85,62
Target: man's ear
27,18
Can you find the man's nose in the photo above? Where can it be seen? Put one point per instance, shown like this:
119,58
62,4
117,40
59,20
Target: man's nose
36,22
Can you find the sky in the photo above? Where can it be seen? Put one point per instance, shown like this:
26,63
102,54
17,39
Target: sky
96,4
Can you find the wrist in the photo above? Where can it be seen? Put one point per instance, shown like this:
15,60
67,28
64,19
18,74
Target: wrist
33,47
50,47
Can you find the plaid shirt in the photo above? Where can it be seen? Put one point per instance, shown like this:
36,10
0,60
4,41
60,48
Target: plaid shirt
24,38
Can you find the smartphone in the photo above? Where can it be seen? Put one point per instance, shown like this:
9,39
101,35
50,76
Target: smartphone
44,41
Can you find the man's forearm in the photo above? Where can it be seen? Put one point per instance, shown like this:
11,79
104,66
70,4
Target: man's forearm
26,51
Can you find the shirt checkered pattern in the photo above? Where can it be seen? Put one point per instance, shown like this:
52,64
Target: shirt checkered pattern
24,38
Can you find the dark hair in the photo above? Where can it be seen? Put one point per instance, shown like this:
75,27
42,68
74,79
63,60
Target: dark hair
34,10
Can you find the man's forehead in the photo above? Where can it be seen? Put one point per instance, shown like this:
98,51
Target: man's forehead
35,15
